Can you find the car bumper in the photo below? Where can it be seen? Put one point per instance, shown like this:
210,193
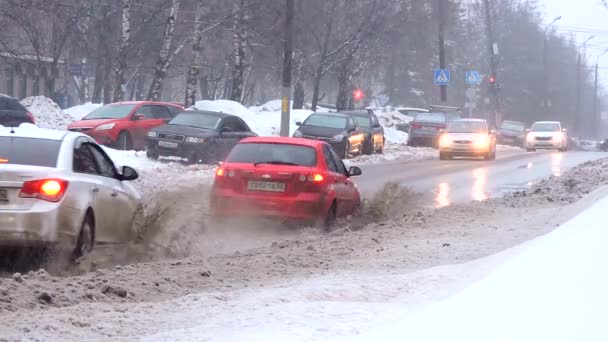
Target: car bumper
465,151
51,225
512,141
182,150
302,207
539,145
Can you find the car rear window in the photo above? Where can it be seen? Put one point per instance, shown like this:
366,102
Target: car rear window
9,103
431,117
330,121
275,153
29,151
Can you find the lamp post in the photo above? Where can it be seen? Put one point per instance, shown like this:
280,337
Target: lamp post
596,120
545,104
577,108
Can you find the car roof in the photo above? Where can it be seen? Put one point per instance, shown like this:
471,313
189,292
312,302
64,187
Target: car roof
470,120
413,108
142,102
355,112
34,133
220,114
341,115
283,140
551,122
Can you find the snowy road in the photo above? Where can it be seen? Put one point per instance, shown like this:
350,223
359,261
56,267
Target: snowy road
458,181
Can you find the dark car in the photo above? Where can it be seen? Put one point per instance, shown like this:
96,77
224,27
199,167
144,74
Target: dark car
12,113
374,132
198,136
511,133
341,131
426,128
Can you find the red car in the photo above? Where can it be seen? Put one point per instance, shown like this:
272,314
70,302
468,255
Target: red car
293,179
125,125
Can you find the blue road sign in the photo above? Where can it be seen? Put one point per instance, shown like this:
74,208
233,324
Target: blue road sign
75,69
442,77
472,77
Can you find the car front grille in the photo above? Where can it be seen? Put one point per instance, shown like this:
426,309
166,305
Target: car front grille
464,142
171,137
317,138
81,129
544,138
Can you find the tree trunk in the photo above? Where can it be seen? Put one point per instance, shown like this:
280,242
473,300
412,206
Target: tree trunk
342,101
239,46
298,89
315,90
204,87
194,70
121,65
141,83
164,58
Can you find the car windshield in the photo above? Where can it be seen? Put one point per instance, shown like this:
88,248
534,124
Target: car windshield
467,127
330,121
513,126
363,121
545,127
272,153
199,120
29,151
115,111
430,117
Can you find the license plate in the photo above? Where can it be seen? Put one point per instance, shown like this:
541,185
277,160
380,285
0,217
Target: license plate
167,144
3,195
266,186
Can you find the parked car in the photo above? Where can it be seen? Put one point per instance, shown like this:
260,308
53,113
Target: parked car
339,130
125,125
405,116
371,127
511,133
603,146
197,136
547,135
426,128
13,113
287,178
467,138
59,189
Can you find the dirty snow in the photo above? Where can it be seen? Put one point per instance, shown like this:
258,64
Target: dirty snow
46,112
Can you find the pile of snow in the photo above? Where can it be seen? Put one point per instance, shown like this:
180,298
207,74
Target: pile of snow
46,112
80,111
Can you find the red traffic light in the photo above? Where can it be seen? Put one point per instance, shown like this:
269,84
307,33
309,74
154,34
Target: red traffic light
358,94
492,79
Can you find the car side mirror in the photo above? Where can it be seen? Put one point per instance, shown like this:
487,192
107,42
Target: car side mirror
138,117
351,129
354,171
128,174
298,123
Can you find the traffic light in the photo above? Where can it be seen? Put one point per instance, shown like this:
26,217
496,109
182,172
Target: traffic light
358,94
492,79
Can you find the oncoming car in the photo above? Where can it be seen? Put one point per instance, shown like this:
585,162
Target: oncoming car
60,190
547,135
286,178
467,138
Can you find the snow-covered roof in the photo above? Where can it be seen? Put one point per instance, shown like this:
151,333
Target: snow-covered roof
29,57
31,131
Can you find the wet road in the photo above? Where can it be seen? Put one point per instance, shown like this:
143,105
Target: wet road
444,182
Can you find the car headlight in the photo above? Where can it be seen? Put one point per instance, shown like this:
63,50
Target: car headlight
530,138
194,140
557,137
445,141
297,134
152,134
338,137
482,142
105,127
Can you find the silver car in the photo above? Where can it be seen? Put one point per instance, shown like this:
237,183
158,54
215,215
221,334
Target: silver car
59,189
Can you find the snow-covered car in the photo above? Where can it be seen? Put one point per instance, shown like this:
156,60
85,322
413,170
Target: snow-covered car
13,113
59,189
547,135
467,138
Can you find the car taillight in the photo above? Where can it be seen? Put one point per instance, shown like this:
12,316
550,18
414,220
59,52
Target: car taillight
316,178
51,190
312,182
219,172
439,128
415,125
31,116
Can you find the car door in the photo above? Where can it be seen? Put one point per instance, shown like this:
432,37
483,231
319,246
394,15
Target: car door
355,136
88,178
229,135
146,118
123,206
348,187
377,133
337,179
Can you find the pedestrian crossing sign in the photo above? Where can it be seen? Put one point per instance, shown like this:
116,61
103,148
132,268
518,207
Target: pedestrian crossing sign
442,77
472,77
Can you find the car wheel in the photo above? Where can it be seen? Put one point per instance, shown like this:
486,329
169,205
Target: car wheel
346,151
493,155
86,239
152,154
124,141
444,156
330,217
381,149
193,158
368,146
411,142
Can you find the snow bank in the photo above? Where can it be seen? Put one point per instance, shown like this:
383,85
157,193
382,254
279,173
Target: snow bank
46,112
554,290
80,111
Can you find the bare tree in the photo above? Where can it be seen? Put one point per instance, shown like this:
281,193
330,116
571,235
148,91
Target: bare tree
121,65
194,70
239,47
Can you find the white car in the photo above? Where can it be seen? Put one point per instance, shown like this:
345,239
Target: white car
546,135
467,138
59,189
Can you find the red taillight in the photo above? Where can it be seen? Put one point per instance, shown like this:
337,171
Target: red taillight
317,178
51,190
3,160
219,172
31,116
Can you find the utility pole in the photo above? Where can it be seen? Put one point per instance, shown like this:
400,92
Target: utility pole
493,50
545,104
287,58
597,123
577,106
441,18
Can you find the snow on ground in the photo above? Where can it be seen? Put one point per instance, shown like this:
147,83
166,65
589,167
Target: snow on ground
46,112
394,152
80,111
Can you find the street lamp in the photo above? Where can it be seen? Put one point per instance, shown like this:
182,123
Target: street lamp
596,120
545,76
577,108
